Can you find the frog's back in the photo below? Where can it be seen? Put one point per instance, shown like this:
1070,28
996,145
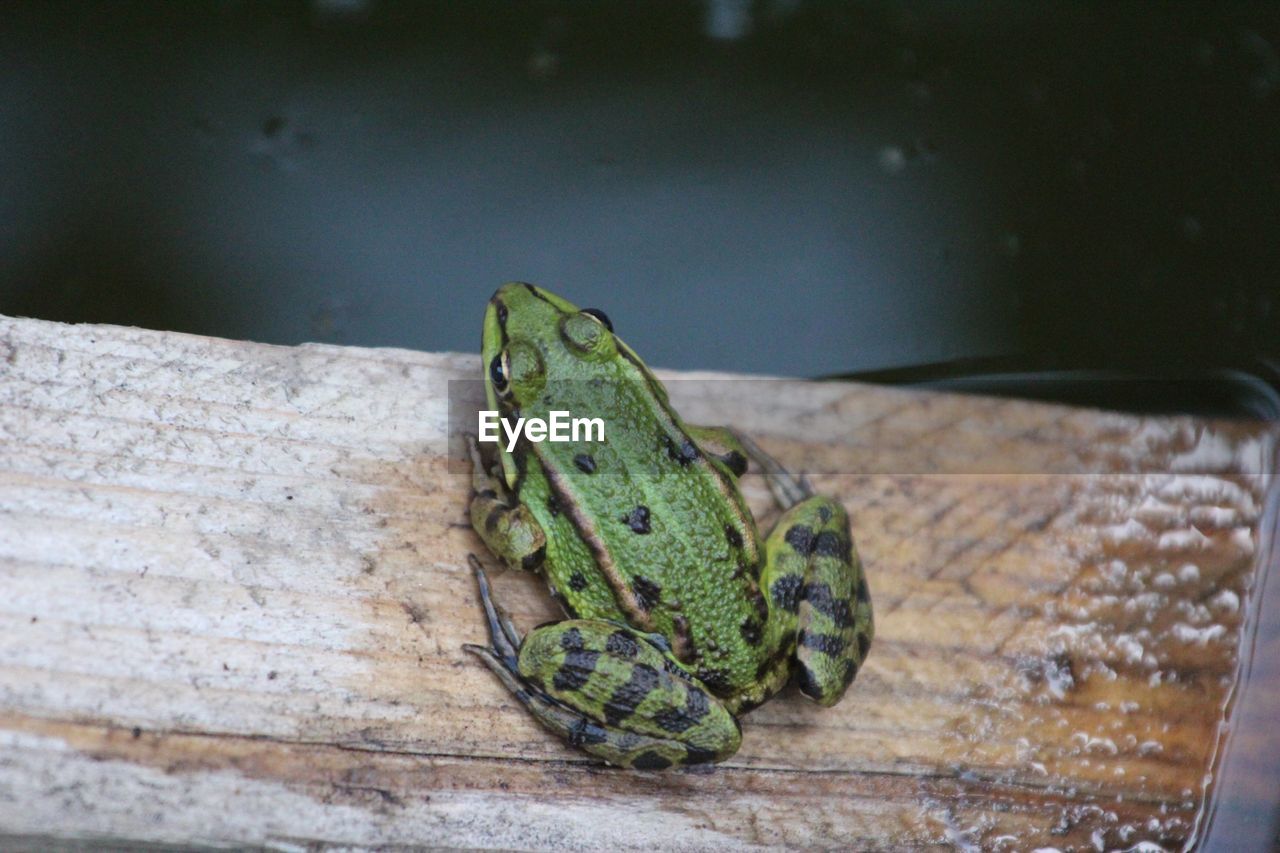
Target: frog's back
668,544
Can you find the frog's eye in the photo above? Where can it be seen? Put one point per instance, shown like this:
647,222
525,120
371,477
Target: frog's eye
498,371
588,334
599,315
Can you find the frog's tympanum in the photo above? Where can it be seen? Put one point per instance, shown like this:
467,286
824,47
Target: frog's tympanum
682,616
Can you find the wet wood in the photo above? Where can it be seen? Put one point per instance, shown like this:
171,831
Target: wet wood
235,593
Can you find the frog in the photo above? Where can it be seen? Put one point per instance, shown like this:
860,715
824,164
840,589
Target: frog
681,615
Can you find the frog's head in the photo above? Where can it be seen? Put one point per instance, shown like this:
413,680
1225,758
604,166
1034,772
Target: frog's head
530,334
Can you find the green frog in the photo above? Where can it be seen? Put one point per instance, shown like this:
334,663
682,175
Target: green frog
682,617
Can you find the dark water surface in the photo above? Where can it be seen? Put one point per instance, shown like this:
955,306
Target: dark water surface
781,187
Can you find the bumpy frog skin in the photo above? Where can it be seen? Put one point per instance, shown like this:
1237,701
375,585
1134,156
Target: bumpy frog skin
682,617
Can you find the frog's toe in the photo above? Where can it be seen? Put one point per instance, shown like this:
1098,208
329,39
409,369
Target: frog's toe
503,636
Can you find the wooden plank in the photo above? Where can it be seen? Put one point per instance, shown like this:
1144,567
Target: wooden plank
236,594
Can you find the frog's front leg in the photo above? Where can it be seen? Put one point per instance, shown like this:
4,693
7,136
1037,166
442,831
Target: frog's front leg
608,691
508,528
816,588
734,449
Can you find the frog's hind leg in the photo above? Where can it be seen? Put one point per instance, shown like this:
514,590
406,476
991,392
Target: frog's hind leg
814,583
607,690
508,528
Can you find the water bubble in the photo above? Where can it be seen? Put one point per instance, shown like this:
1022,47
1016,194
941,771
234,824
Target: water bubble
1226,601
1115,571
1196,613
1131,530
1242,540
1197,636
1214,517
1128,646
1094,745
1189,539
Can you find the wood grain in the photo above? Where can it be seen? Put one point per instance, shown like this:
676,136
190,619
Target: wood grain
235,594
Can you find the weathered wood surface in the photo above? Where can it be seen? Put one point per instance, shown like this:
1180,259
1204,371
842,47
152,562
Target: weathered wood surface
234,594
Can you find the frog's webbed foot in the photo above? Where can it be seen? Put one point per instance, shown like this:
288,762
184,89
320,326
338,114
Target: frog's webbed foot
607,690
507,527
504,639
